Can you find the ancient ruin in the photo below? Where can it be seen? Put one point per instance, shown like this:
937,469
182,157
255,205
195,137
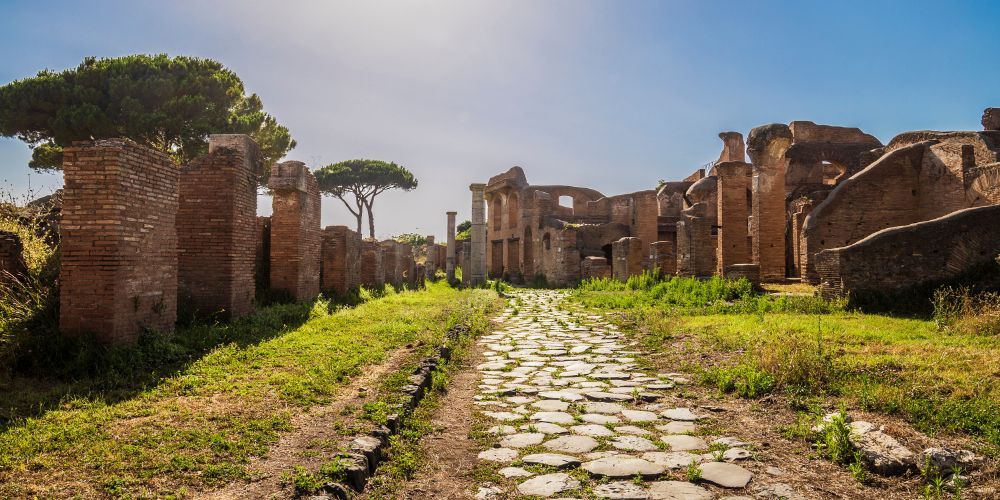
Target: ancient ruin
216,254
295,230
12,266
341,250
808,189
118,230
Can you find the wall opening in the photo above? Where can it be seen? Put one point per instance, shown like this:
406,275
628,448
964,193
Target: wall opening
566,201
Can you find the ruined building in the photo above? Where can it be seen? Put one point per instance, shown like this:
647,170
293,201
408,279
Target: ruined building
818,203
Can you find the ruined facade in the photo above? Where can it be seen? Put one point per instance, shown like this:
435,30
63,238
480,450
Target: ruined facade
807,188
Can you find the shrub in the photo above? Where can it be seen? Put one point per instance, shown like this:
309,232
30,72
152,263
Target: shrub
798,361
746,380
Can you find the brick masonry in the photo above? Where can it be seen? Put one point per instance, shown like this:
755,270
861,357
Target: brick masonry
11,257
262,253
118,229
663,256
924,252
695,248
733,213
216,228
595,268
341,260
389,263
295,230
371,274
628,258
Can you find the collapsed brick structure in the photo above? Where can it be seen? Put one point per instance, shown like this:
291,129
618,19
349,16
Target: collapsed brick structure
340,257
372,275
629,258
217,227
12,266
118,271
295,230
808,188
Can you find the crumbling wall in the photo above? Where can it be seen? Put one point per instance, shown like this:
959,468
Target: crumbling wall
628,258
295,230
118,271
766,146
340,261
389,259
372,275
216,227
559,257
914,254
12,266
663,257
594,268
732,214
695,248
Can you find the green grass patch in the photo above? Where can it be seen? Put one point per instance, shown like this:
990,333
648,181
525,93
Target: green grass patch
200,425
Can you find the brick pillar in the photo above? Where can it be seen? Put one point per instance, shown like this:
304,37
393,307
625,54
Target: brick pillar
216,227
628,258
800,258
477,255
372,274
431,263
118,271
662,256
645,208
12,265
767,150
450,255
695,248
732,214
340,260
295,231
389,262
262,266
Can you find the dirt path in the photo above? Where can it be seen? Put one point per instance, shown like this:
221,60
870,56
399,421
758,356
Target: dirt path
319,433
450,452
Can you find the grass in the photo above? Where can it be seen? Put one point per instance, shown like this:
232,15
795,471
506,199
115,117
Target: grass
199,425
941,376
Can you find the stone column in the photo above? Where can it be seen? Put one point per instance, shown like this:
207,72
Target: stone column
295,231
450,255
477,257
118,271
732,214
767,146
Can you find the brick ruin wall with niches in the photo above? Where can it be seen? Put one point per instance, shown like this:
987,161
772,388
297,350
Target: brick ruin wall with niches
217,228
924,252
341,259
118,271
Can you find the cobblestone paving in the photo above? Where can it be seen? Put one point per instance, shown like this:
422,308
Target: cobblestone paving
574,415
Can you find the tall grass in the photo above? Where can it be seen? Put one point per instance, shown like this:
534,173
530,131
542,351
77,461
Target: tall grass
682,295
963,309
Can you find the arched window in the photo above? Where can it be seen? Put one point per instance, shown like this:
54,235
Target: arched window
496,212
513,210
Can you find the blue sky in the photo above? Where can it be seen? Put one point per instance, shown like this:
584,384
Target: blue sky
612,95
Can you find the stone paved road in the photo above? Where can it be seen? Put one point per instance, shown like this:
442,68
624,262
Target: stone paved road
575,416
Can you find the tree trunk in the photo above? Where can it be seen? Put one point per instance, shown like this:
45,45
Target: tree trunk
371,219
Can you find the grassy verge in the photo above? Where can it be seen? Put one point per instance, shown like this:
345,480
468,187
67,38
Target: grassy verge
199,426
939,379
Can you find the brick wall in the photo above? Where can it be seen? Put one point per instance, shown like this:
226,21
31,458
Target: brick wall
901,257
628,258
883,195
767,145
11,256
695,245
118,270
217,226
389,259
371,273
749,271
295,231
594,267
663,256
340,268
262,253
732,214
